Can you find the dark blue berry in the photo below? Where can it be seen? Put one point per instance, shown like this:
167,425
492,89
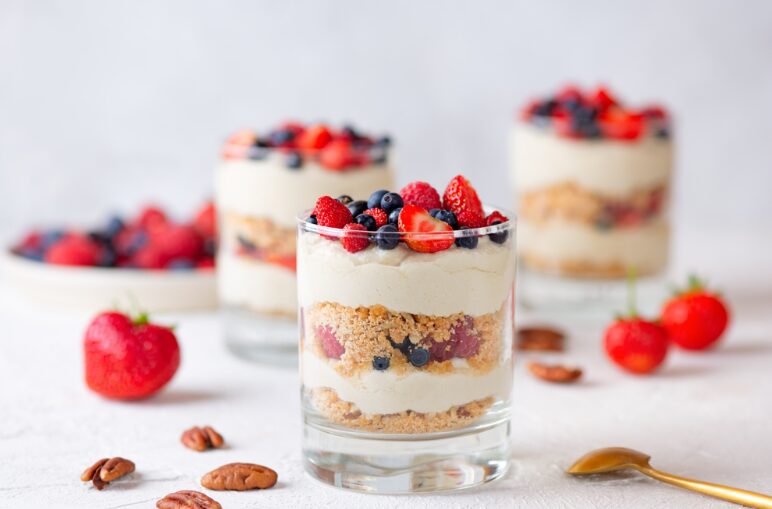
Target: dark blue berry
312,219
107,256
367,221
445,216
499,237
351,132
378,156
246,243
387,237
383,141
468,242
374,201
380,363
114,226
585,114
419,357
394,216
282,136
263,143
181,264
357,207
545,109
294,160
210,247
256,153
345,199
32,254
391,201
138,241
50,238
662,133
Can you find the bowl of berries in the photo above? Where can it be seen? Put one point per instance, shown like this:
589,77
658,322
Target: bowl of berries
149,258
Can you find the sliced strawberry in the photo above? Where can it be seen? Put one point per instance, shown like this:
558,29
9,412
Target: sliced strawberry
354,237
330,344
380,216
461,199
424,234
314,138
421,194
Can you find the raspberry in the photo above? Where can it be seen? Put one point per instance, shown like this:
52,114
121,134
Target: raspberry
332,213
330,344
461,199
467,342
336,155
496,216
421,194
354,237
177,242
150,217
380,216
73,249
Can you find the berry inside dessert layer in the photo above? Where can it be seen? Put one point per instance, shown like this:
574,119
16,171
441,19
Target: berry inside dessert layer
148,240
297,145
577,114
259,239
406,302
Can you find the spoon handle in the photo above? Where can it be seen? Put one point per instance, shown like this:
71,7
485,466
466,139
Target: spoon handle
736,495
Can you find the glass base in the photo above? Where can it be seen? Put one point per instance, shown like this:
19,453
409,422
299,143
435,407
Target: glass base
395,464
259,338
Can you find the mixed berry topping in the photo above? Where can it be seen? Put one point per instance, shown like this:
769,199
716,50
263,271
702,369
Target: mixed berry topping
334,149
150,240
387,218
592,114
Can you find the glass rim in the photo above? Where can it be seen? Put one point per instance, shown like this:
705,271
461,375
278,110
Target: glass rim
508,225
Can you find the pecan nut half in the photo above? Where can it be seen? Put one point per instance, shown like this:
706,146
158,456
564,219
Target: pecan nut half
201,439
540,339
107,470
239,477
555,374
187,499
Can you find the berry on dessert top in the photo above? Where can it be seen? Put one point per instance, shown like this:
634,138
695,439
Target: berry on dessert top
333,149
416,216
574,113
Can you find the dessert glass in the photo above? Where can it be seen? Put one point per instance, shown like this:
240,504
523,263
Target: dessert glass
257,199
406,360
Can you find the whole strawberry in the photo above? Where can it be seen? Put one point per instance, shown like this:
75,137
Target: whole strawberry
73,249
128,358
695,318
635,344
461,199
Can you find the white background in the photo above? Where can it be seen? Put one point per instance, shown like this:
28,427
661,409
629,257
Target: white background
104,105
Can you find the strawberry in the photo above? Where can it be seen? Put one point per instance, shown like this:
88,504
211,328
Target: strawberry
602,99
336,155
73,249
695,318
424,233
242,138
150,216
332,213
128,358
637,345
495,216
330,344
354,237
205,221
314,138
621,125
421,194
149,256
461,199
205,263
380,216
177,242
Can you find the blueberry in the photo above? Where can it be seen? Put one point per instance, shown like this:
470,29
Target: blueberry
374,201
383,141
378,155
445,216
591,130
294,160
585,114
545,108
107,257
181,264
263,143
571,104
312,219
32,254
210,247
99,236
380,363
245,243
499,237
357,207
394,216
662,133
367,221
281,137
419,357
351,132
114,226
469,242
345,199
391,201
138,240
50,238
387,237
256,153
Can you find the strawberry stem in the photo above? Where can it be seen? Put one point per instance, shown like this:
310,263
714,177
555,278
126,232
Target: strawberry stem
694,283
141,319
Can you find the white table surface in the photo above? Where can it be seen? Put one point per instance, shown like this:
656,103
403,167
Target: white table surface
706,416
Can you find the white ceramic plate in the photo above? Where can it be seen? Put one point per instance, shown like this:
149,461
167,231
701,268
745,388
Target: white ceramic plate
96,288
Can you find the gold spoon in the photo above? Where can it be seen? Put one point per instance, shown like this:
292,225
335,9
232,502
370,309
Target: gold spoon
613,459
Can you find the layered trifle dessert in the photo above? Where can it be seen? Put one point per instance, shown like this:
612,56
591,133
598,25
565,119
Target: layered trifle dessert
406,310
592,178
262,181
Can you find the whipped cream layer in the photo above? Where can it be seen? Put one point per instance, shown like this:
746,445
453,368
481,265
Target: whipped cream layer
644,247
614,168
471,281
257,286
267,188
383,392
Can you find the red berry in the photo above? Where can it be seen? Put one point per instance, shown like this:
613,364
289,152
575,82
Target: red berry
424,234
495,216
637,345
354,237
205,263
602,99
441,350
421,194
466,340
177,242
336,155
127,359
569,93
655,112
30,241
242,138
380,216
332,213
314,138
330,344
150,217
461,199
73,249
205,221
150,257
621,125
695,319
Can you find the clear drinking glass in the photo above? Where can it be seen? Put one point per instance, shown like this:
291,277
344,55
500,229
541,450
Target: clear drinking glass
406,360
